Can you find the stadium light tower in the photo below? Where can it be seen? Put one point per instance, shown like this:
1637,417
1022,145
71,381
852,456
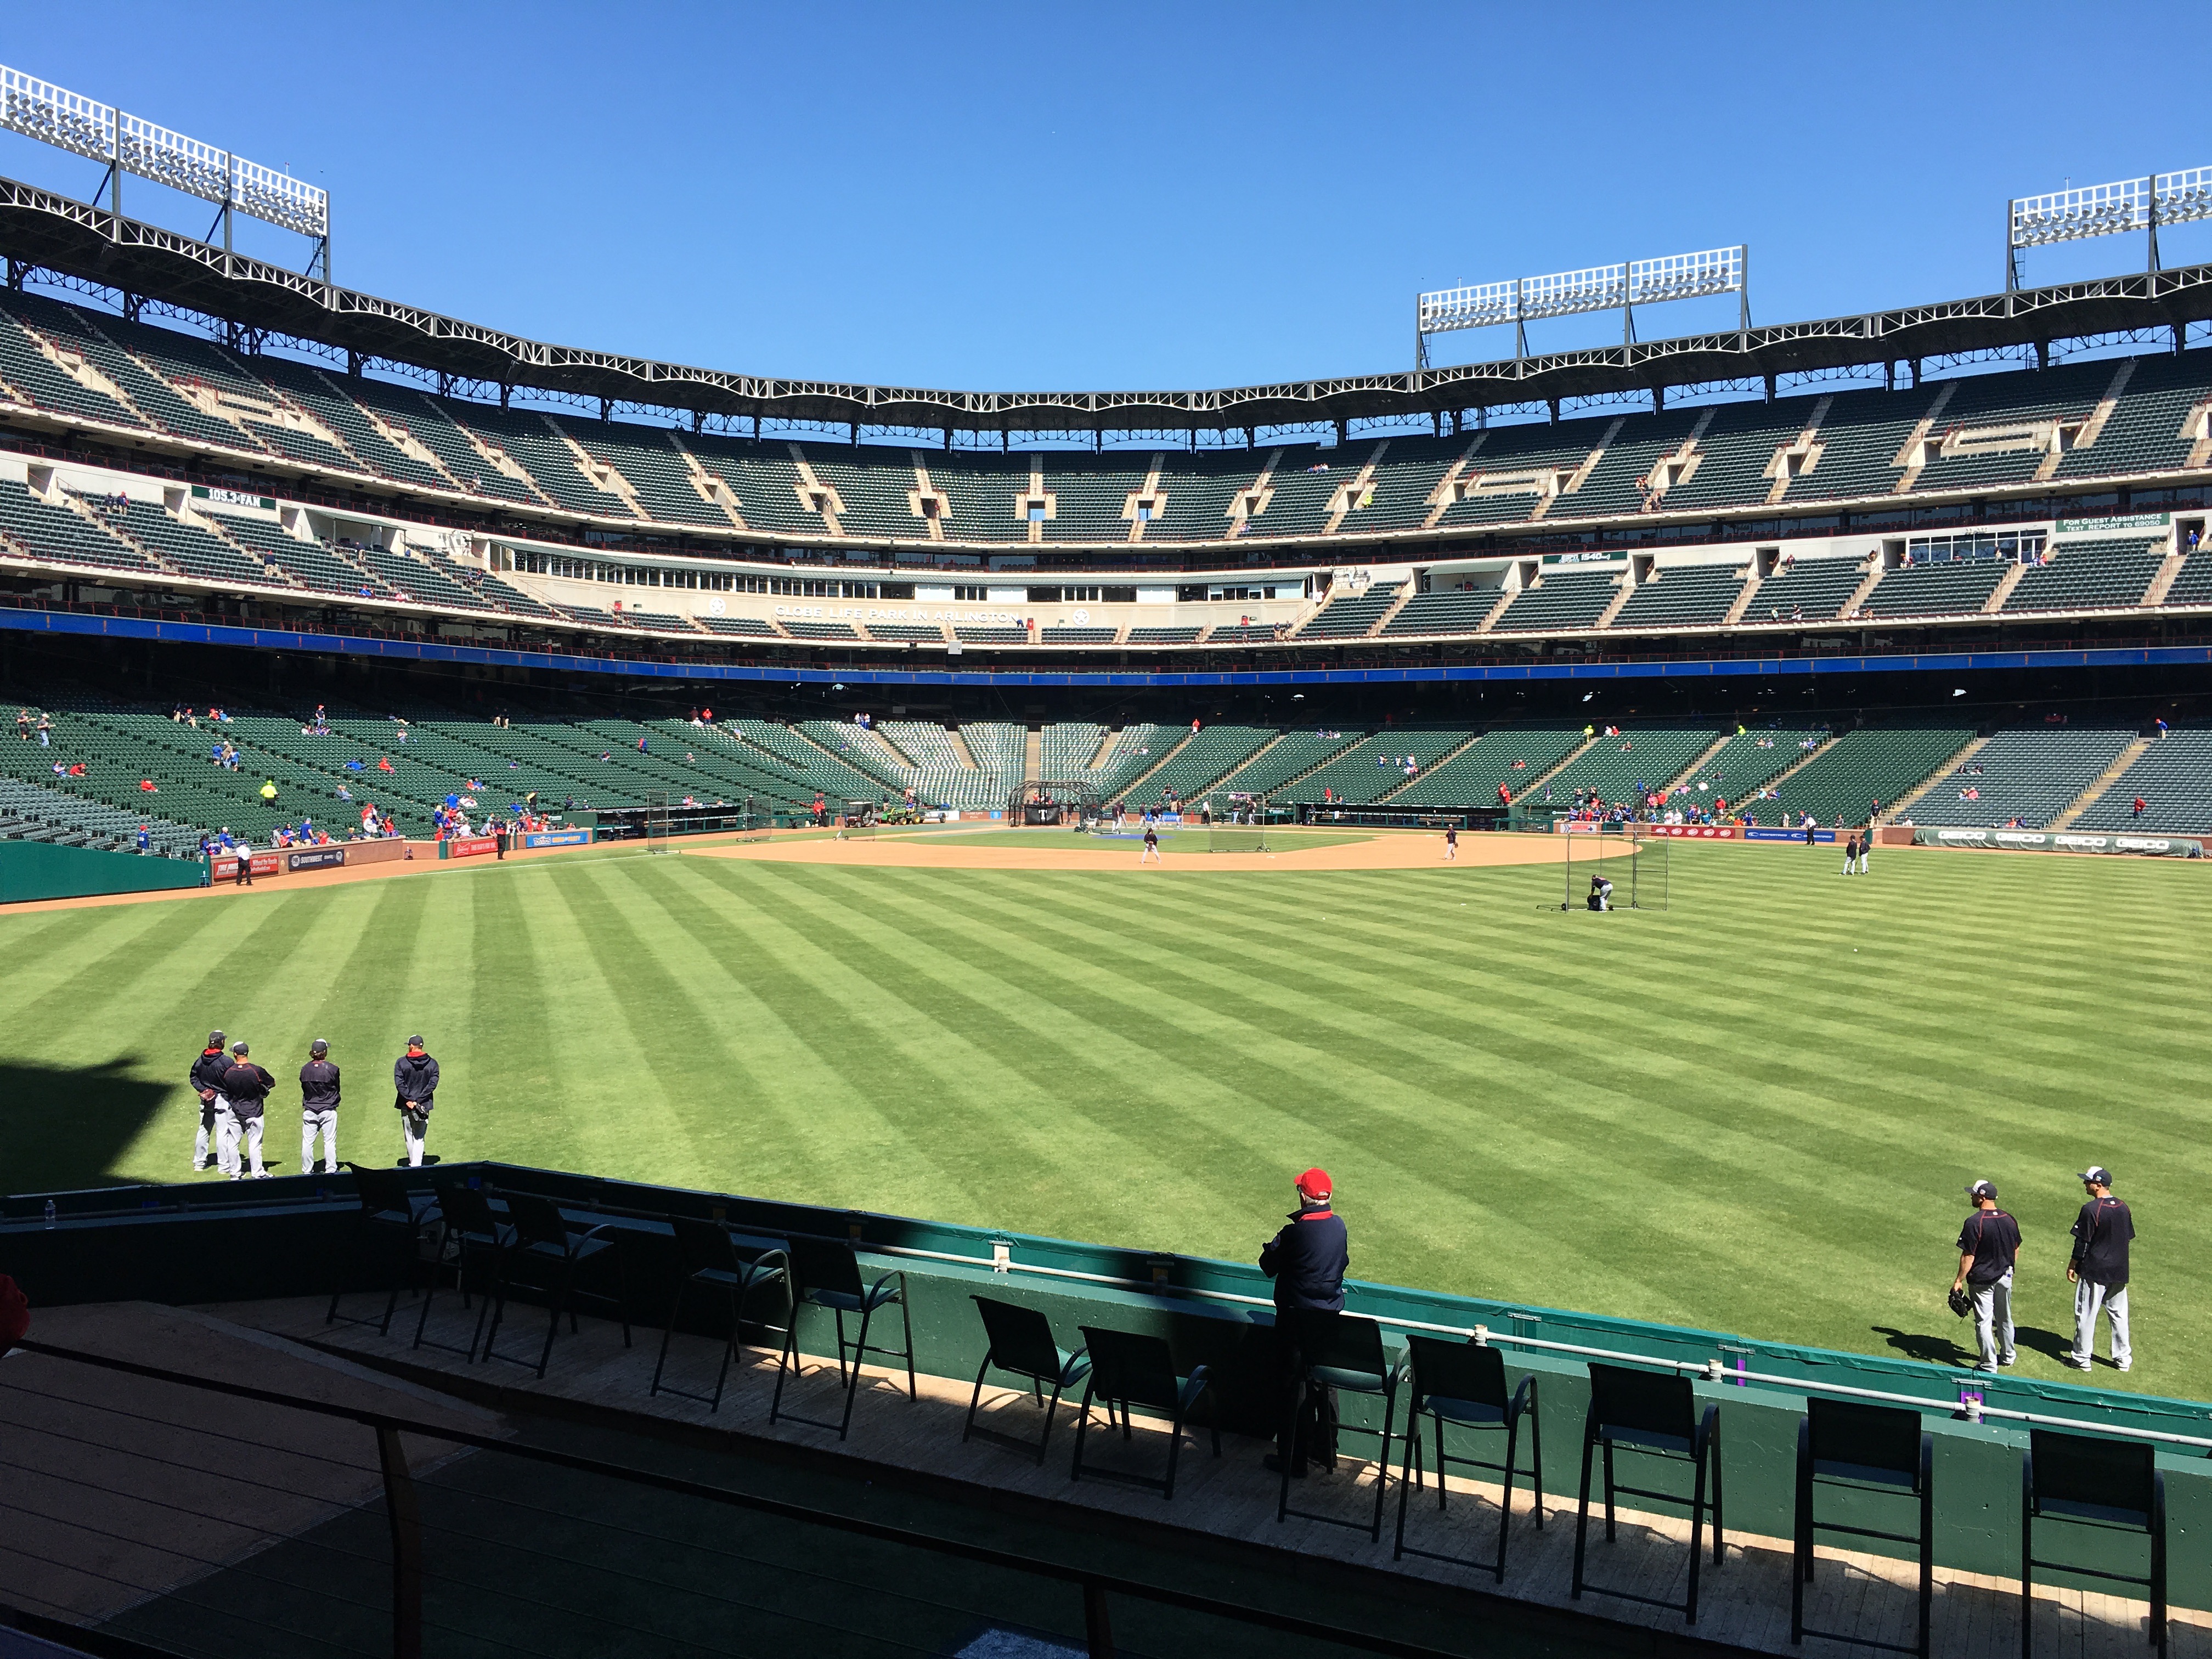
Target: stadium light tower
1622,287
126,143
2070,215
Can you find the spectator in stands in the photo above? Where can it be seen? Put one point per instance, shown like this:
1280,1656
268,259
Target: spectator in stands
2140,807
2161,728
23,724
244,1086
1307,1260
318,1109
206,1080
45,732
145,840
1988,1245
2099,1270
414,1082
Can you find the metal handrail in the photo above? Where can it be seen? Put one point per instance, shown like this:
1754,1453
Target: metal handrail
1094,1586
1710,1369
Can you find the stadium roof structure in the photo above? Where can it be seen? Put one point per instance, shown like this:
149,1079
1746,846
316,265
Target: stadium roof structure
39,228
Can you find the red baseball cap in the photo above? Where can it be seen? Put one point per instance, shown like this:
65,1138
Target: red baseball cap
1315,1183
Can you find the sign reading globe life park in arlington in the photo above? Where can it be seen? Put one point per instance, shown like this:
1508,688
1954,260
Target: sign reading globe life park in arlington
912,614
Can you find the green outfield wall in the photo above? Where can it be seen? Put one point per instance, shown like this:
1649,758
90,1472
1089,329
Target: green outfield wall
40,870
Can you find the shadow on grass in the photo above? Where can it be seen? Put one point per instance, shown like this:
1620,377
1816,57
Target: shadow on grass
67,1127
1915,1345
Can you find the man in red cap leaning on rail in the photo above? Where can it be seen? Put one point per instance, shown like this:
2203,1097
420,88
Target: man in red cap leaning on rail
1307,1261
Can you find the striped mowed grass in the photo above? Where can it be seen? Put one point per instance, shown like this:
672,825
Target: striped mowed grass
1755,1112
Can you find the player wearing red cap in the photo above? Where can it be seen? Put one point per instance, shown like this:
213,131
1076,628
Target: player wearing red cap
1307,1260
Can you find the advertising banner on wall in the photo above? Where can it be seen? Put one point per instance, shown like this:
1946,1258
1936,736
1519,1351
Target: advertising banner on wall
468,847
557,838
2063,841
315,858
1694,832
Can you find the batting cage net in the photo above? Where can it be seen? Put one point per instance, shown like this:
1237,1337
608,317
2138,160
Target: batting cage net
858,821
656,820
1597,877
1239,825
1054,804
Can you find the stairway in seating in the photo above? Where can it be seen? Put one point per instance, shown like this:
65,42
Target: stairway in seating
2163,581
1903,802
1130,790
1698,764
1550,772
1033,753
1737,612
1422,776
1390,613
2002,591
1861,592
2105,779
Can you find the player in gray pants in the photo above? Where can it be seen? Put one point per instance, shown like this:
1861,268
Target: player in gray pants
318,1109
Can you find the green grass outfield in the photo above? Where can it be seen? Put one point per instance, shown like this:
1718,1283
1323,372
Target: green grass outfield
1754,1112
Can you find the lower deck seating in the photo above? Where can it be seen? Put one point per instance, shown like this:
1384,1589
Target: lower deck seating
1513,758
2030,775
1840,784
2173,779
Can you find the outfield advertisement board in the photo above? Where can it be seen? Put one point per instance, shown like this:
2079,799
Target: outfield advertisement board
1693,831
262,864
315,858
557,838
468,847
1798,836
2038,841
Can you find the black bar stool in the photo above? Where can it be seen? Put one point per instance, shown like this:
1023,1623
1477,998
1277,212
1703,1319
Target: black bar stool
2106,1486
1859,1449
1021,1341
707,1260
1656,1415
825,1273
1128,1369
1459,1383
543,1242
1344,1352
473,1231
393,1220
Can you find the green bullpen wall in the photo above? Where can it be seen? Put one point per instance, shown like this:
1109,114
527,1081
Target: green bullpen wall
292,1236
39,870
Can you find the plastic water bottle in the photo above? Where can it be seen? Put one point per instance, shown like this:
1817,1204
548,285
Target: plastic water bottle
49,1213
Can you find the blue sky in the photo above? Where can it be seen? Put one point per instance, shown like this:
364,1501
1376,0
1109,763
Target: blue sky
1132,196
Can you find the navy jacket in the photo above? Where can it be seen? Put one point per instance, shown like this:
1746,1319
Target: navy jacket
416,1079
208,1067
318,1086
1308,1260
246,1085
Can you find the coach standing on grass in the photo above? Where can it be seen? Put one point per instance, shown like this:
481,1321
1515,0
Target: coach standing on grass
1307,1260
208,1067
1988,1245
244,1086
2099,1270
415,1080
318,1109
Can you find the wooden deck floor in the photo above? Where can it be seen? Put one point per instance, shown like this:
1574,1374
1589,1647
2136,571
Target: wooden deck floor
1745,1602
